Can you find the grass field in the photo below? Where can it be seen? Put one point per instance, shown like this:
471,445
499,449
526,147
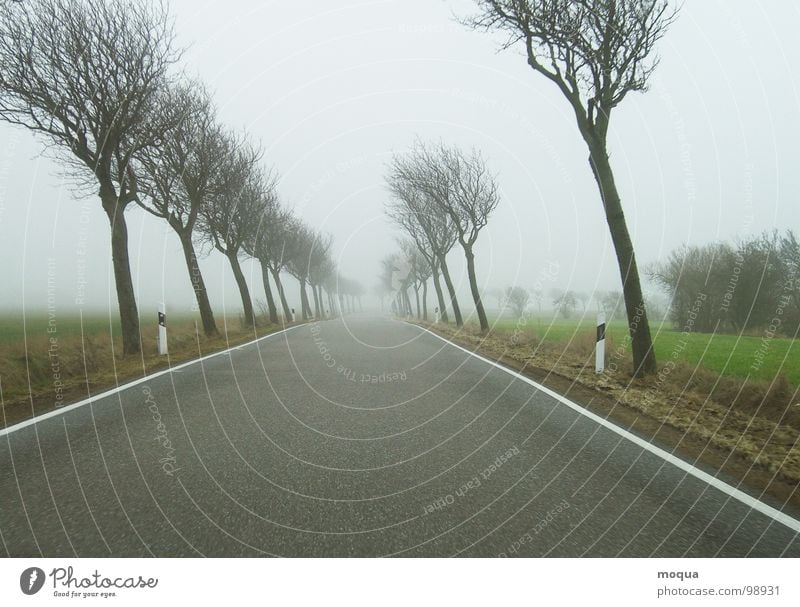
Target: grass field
58,358
14,327
728,355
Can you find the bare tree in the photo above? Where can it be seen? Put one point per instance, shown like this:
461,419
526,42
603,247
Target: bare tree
85,76
422,233
430,227
230,218
419,275
301,247
349,291
397,273
272,221
517,299
329,275
318,268
177,177
343,288
565,303
275,248
358,290
462,187
423,270
595,52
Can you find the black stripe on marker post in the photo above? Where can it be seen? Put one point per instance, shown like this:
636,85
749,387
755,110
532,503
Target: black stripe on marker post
600,345
601,332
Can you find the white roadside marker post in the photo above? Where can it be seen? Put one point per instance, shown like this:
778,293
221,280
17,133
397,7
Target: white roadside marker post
600,348
162,329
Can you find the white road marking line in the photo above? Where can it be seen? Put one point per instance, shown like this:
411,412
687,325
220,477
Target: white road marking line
737,494
131,384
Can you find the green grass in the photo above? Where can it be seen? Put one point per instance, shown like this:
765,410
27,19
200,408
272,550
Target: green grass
13,330
728,355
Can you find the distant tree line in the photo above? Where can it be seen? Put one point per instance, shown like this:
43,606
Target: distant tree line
521,301
98,81
742,287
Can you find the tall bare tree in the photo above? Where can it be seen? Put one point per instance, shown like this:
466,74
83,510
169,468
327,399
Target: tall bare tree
462,187
271,221
318,267
328,273
230,218
276,246
420,273
400,212
595,52
397,274
422,220
517,299
85,76
301,248
177,177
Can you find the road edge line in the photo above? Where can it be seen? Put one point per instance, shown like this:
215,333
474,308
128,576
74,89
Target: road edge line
86,401
730,490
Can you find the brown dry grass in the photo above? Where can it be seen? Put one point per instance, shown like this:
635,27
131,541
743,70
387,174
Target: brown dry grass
92,363
758,420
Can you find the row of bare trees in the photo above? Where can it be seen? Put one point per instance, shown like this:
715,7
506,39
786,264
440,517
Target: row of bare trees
440,196
595,52
98,80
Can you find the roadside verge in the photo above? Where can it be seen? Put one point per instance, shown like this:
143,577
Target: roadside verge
759,462
40,405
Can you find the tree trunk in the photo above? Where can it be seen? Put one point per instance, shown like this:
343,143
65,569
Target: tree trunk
451,291
244,291
306,309
439,296
273,310
644,360
473,287
198,284
287,312
126,299
425,300
317,311
416,295
321,302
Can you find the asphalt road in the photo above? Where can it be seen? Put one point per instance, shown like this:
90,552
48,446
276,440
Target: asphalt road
362,437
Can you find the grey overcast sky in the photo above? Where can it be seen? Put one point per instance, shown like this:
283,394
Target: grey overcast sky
332,88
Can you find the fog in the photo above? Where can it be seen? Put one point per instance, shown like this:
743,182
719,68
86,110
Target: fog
331,89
